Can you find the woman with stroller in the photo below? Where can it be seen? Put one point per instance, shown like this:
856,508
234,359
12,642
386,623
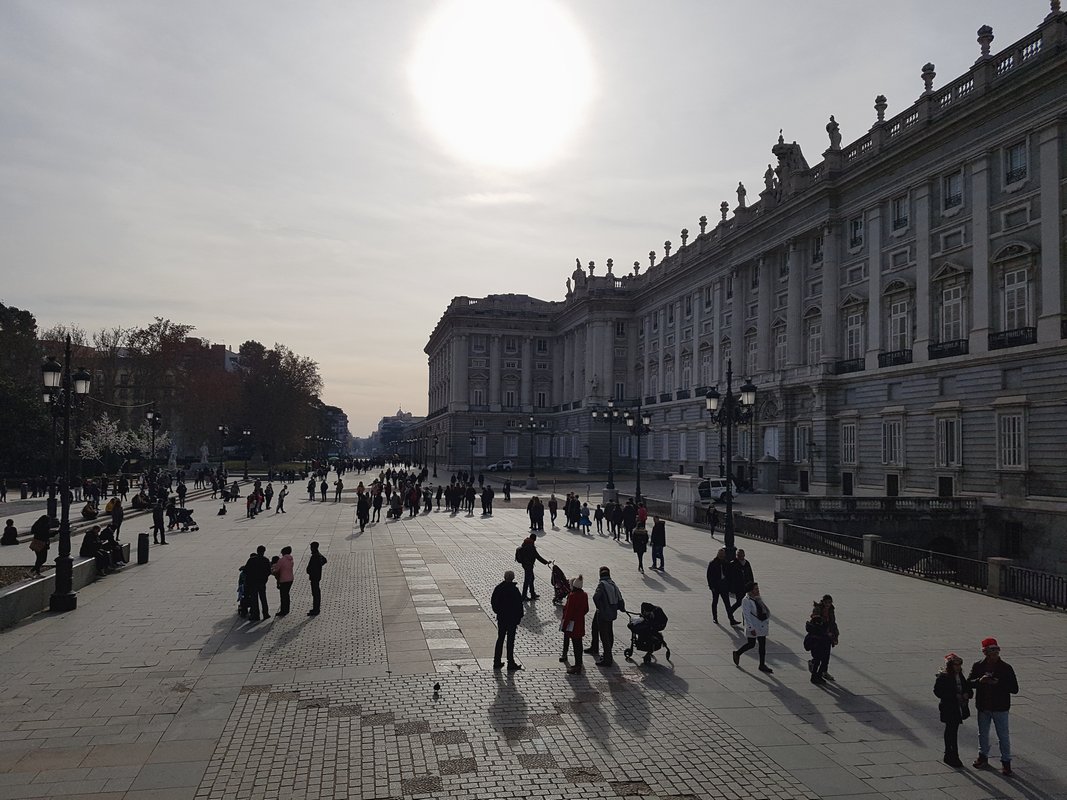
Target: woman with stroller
573,624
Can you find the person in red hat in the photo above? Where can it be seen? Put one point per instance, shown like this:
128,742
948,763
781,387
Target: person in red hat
953,690
994,682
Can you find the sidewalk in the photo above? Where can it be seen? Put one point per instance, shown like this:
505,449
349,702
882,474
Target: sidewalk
154,688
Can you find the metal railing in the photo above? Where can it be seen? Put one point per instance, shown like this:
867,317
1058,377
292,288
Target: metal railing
755,528
1032,586
837,545
932,565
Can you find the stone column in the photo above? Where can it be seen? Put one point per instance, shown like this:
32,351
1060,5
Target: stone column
1049,320
764,333
460,363
794,308
526,397
632,389
924,310
873,228
679,308
607,359
831,292
494,373
737,326
558,367
869,540
717,301
996,575
662,354
979,339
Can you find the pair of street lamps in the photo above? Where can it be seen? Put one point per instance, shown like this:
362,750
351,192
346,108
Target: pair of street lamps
155,422
533,426
62,389
610,415
727,412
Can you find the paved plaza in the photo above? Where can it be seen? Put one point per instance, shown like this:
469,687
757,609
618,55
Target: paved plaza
155,688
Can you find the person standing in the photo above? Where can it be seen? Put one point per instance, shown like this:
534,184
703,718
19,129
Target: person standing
11,534
639,542
159,531
280,508
994,683
338,485
363,511
817,642
182,491
608,602
268,495
718,582
598,517
658,541
487,498
257,573
553,509
311,488
738,576
629,519
283,571
756,618
314,571
42,539
527,555
573,624
324,487
117,515
953,691
507,605
713,519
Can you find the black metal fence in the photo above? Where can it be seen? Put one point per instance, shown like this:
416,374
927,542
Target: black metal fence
1033,586
755,528
929,564
837,545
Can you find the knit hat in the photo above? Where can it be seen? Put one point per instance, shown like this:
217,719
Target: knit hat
990,642
577,583
953,657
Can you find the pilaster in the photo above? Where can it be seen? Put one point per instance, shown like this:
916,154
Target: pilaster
923,269
980,273
1051,281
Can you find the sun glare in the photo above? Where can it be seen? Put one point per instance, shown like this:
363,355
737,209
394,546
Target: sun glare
502,83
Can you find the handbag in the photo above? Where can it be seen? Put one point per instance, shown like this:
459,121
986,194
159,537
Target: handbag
38,545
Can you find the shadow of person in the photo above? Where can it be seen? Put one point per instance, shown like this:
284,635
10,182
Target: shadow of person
508,708
674,582
586,707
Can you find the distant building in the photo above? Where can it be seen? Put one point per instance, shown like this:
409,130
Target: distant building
899,305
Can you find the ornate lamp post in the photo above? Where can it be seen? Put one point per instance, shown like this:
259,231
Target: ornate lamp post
474,441
435,455
155,422
639,424
223,431
246,435
532,426
727,412
63,389
610,415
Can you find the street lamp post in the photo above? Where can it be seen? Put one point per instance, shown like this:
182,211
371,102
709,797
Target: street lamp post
532,426
474,441
53,503
223,430
727,412
609,414
435,455
63,388
639,424
155,422
247,434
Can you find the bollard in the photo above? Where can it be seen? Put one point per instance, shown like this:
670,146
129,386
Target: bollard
142,548
24,490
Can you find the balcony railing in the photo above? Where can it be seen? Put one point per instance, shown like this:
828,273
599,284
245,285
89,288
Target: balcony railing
956,347
1013,338
953,200
682,394
849,365
1015,175
900,223
855,241
894,358
665,397
800,505
650,400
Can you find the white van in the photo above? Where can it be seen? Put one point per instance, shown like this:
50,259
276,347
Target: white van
714,489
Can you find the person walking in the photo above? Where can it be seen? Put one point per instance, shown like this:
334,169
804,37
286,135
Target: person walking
507,605
268,495
718,582
713,519
952,691
658,541
817,642
994,683
363,511
117,515
598,517
738,576
639,542
280,507
527,555
283,571
829,615
314,570
159,530
257,573
553,509
608,602
583,519
756,618
324,487
311,488
629,518
338,485
41,531
573,624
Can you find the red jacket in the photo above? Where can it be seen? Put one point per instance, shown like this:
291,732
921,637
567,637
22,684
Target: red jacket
576,608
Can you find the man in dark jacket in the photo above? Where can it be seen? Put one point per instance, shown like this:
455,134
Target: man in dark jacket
257,572
629,518
507,605
159,530
608,602
117,516
994,683
314,571
658,540
528,556
718,582
738,575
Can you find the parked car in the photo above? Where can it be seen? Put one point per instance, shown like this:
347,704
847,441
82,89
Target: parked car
714,489
504,465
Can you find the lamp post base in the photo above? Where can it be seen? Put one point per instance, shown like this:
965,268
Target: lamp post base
611,494
531,482
63,602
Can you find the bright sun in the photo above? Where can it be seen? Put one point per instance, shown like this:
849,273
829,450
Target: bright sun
503,83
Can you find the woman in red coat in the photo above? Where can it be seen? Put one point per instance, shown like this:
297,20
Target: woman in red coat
573,624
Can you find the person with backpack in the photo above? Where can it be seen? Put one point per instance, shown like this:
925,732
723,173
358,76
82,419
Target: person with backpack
527,555
608,602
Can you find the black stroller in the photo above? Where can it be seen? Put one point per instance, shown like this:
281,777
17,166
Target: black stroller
646,632
184,518
560,586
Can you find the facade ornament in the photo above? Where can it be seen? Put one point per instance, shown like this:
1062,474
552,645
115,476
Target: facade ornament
594,383
833,130
569,290
781,138
703,224
1055,6
610,265
985,38
667,249
724,209
578,263
928,78
768,179
880,106
651,258
685,235
592,266
741,193
637,268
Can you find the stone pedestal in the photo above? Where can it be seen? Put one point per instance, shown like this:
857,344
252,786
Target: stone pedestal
610,495
684,497
996,574
531,483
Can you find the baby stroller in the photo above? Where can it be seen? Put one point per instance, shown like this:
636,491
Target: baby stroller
184,517
646,632
560,585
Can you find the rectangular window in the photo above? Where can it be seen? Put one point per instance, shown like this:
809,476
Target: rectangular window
542,365
511,345
666,444
702,447
730,287
655,322
624,447
478,344
620,329
816,250
814,288
706,359
892,452
707,297
670,314
686,376
952,190
801,442
1010,441
854,336
898,326
948,442
688,305
814,342
620,390
543,445
479,445
1016,300
781,300
542,345
479,397
509,398
901,212
855,232
751,354
511,364
755,278
848,443
753,310
952,314
511,447
856,273
574,445
1015,166
781,342
542,399
744,443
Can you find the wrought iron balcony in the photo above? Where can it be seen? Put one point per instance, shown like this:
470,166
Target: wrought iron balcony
849,365
900,223
665,397
682,394
955,347
650,400
1013,338
894,358
1015,175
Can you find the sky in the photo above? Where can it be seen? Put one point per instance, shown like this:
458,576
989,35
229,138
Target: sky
328,175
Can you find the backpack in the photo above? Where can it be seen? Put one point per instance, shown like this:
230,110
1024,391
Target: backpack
518,554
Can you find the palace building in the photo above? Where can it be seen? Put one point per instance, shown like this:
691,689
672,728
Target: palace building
899,306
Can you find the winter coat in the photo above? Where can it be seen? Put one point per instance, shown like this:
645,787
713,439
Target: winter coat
574,611
507,603
283,569
739,575
754,626
993,696
659,534
639,539
717,579
950,707
608,600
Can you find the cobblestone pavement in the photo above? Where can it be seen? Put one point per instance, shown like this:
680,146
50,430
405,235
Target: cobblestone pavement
154,688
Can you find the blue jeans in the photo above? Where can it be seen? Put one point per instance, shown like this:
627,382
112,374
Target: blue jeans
1000,722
